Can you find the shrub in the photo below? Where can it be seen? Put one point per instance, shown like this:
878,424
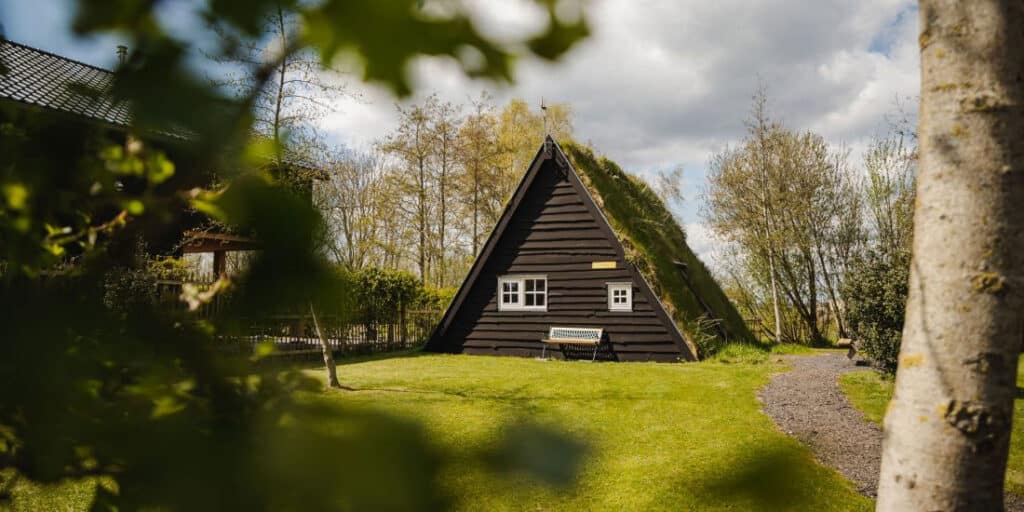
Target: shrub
126,289
382,293
876,297
436,298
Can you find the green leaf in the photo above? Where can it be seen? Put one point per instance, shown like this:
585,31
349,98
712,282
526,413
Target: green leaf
16,196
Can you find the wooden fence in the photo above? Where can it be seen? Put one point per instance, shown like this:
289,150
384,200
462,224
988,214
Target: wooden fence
294,336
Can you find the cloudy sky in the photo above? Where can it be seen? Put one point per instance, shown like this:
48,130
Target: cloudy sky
660,84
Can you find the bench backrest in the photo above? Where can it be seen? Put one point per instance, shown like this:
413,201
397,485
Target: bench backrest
586,334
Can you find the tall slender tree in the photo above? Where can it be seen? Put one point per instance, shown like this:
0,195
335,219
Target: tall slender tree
948,426
412,143
444,131
478,151
298,91
761,128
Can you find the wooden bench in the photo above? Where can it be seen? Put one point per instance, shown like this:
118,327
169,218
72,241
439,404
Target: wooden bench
587,336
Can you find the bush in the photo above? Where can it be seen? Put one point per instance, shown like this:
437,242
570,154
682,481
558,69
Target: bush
876,298
127,289
382,293
436,298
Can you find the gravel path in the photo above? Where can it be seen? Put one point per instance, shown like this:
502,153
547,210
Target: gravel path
808,404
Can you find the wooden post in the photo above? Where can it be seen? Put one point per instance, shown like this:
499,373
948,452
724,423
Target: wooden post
403,326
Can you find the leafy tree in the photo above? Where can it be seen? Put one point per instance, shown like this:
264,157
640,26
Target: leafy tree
876,288
445,123
877,291
412,142
149,406
479,151
788,202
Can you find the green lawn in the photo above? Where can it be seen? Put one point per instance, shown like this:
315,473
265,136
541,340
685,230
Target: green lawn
661,436
870,392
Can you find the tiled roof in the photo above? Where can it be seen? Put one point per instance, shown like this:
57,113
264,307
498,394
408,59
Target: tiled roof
35,77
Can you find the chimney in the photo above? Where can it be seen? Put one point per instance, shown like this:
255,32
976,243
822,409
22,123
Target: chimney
122,54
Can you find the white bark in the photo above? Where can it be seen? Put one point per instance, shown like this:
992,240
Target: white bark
775,299
325,347
948,427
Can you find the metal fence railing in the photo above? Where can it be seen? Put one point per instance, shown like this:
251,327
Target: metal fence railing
294,335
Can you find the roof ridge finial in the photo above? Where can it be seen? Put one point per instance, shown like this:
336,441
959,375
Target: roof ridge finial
122,54
544,114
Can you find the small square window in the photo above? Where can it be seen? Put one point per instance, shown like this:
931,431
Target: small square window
522,293
620,297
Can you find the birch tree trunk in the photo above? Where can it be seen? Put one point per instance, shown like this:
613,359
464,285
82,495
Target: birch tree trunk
948,427
775,298
332,370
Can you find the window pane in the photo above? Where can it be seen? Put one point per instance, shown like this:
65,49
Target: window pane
540,299
529,285
541,284
529,299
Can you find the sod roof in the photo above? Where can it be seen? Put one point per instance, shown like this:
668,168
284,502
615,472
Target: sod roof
656,245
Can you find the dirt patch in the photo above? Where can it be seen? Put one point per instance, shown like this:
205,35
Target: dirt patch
808,404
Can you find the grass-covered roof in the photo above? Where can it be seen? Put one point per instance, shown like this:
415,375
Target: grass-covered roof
656,244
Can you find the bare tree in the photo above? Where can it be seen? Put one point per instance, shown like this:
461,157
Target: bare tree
351,201
300,89
948,426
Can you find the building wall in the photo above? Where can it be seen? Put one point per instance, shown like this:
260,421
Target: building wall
552,233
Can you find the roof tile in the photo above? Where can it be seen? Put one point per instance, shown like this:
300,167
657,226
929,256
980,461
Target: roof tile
50,81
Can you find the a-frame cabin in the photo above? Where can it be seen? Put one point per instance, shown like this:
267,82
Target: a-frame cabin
557,263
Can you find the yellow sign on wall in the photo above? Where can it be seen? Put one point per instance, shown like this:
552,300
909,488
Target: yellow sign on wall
602,264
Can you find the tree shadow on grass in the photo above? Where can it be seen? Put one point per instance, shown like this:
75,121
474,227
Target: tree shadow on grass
767,479
318,364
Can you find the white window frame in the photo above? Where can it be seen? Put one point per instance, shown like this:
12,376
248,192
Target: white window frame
628,288
520,281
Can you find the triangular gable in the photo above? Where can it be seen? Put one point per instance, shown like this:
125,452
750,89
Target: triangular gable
550,150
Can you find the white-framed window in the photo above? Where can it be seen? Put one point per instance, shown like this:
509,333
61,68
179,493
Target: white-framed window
620,296
523,293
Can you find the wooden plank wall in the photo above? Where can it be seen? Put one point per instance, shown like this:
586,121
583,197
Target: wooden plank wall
553,233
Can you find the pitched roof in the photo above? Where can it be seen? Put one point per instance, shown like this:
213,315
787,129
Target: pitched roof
35,77
655,251
43,79
657,245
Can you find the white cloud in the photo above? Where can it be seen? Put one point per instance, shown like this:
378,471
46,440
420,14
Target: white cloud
660,83
667,83
704,243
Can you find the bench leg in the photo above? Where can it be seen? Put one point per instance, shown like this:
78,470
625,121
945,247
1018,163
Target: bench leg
543,349
594,357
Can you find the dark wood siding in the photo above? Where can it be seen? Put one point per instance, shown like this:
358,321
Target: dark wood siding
552,232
